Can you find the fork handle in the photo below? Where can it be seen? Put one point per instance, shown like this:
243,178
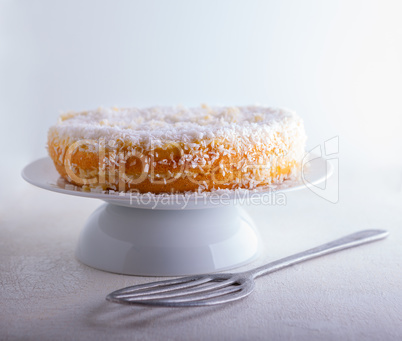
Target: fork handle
346,242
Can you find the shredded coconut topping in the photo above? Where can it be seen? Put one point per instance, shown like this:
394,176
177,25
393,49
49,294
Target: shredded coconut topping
177,124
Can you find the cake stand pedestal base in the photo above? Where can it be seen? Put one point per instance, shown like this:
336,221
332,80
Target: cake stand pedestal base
134,241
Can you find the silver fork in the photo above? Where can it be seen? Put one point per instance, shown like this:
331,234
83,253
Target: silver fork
203,290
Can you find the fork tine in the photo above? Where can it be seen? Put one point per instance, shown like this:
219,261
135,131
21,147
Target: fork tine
138,292
176,291
160,284
218,299
222,295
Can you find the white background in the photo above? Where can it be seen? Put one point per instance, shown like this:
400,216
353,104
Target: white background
337,63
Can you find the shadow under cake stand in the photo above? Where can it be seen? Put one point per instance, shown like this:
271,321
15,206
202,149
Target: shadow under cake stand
171,234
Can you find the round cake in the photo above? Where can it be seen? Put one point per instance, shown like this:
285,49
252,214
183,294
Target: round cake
178,149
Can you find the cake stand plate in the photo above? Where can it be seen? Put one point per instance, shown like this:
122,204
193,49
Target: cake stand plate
169,234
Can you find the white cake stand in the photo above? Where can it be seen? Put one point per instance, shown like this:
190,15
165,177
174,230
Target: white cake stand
168,235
